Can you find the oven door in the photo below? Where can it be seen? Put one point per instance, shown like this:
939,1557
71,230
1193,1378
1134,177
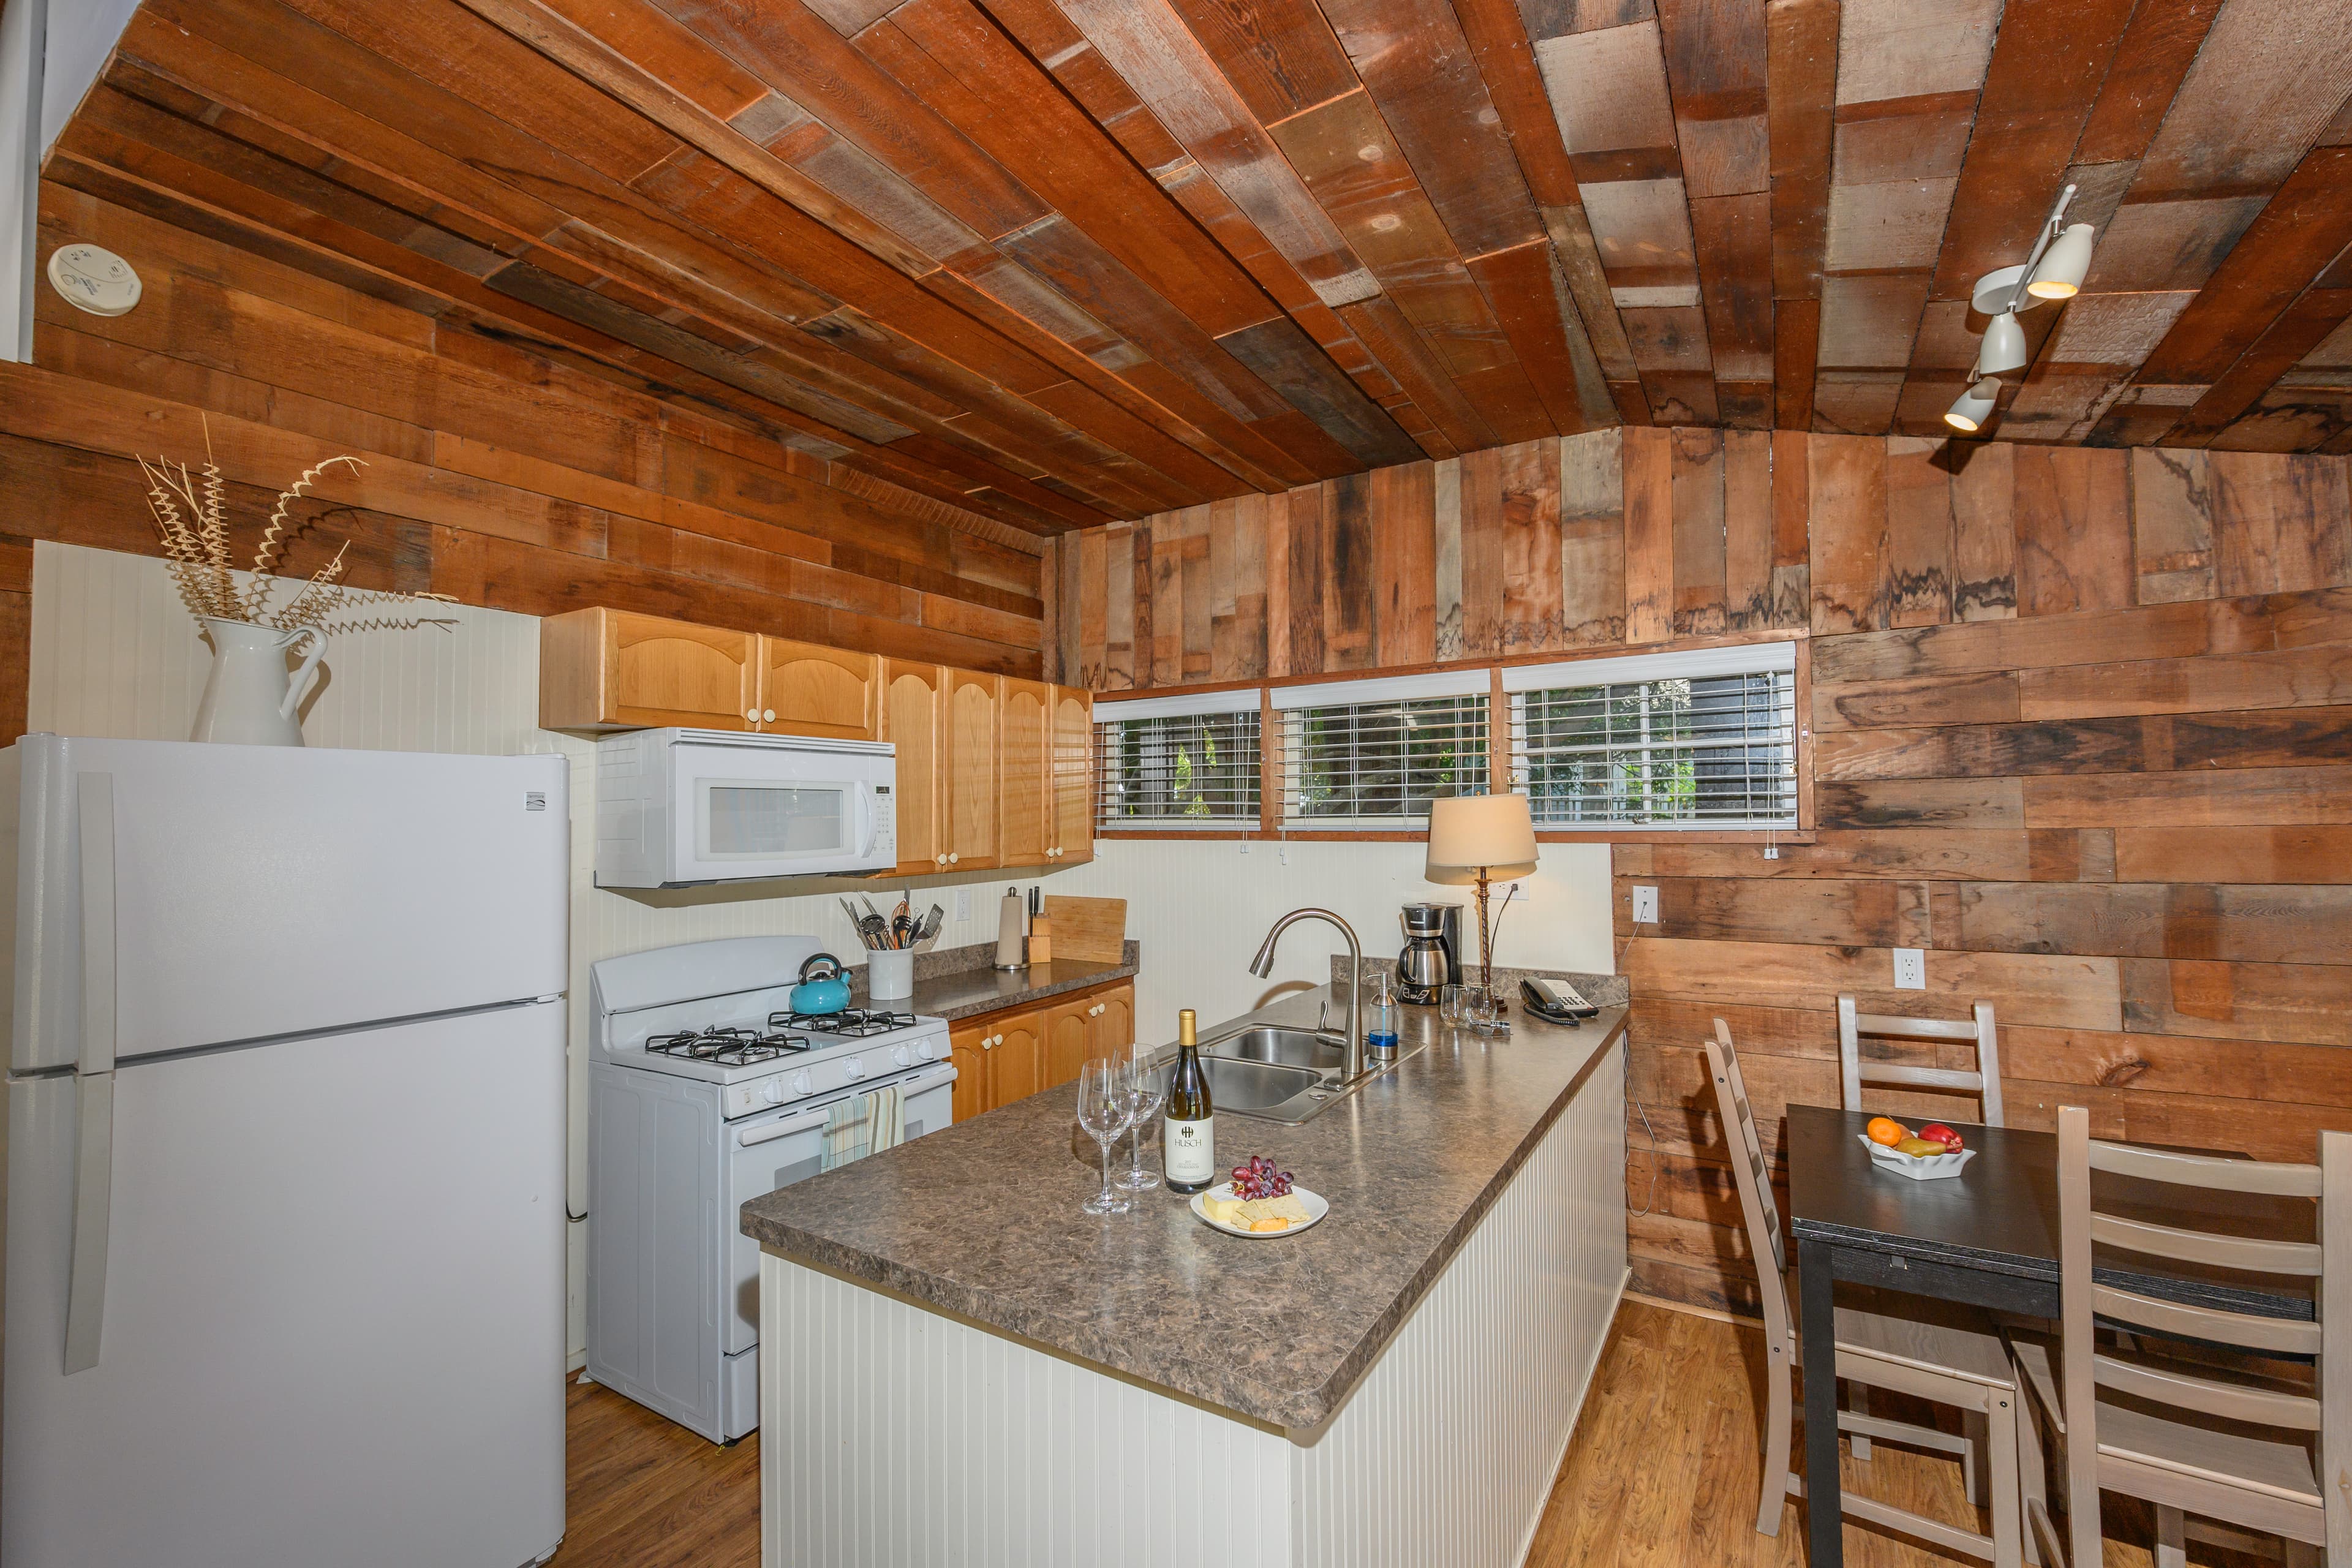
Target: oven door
779,1148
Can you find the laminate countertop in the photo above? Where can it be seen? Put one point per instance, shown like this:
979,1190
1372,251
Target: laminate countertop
982,1221
960,983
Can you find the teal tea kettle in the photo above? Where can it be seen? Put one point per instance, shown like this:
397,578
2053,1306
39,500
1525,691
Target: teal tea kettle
824,987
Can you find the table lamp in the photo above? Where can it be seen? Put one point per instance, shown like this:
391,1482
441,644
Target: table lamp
1479,838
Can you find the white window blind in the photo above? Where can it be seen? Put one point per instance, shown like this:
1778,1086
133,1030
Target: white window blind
1374,753
1701,740
1179,764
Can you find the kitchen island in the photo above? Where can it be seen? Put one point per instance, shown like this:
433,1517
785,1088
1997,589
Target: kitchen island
958,1367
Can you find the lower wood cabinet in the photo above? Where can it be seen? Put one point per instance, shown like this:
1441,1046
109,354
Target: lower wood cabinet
1003,1057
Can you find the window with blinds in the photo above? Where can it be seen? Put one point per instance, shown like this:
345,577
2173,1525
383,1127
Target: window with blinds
1699,740
1178,764
1374,753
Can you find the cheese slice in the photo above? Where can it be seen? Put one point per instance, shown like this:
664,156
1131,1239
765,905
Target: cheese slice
1286,1207
1223,1210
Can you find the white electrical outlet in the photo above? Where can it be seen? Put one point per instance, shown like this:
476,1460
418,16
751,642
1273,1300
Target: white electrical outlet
1910,969
1645,906
963,903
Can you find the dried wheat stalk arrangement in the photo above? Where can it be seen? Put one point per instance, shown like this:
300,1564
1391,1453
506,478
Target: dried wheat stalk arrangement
195,543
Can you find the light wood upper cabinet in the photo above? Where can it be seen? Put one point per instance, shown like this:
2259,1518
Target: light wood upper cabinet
971,758
1067,1040
1017,1062
616,669
806,690
1026,802
914,705
1073,765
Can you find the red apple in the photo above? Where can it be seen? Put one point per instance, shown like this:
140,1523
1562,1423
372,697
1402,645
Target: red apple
1936,1131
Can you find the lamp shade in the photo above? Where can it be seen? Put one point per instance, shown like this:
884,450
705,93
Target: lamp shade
1974,406
2004,346
2064,264
1470,831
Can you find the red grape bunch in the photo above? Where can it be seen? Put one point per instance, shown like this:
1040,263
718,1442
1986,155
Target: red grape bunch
1259,1179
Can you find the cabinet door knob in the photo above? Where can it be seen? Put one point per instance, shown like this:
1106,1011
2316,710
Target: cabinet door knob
769,716
940,859
953,858
750,715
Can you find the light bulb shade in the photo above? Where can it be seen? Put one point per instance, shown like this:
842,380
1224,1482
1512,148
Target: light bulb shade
1974,406
2003,348
1470,831
2063,265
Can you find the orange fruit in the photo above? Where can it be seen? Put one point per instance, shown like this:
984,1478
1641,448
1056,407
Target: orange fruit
1887,1131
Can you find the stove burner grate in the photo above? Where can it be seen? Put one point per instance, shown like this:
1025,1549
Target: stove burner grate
727,1047
855,1023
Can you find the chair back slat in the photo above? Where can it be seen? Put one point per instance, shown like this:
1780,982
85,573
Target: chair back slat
2227,1401
1754,1179
2248,1253
1984,1081
2210,1170
2213,1324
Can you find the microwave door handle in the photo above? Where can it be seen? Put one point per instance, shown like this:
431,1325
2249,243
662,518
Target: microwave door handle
93,1075
869,823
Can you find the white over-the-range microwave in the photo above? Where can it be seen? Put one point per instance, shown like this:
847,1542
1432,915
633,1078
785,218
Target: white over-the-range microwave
678,808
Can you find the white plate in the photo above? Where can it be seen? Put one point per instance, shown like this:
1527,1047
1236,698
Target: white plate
1918,1167
1317,1207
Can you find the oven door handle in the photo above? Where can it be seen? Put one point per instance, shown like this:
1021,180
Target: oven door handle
767,1133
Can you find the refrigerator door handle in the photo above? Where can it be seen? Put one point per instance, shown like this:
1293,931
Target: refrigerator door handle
93,1075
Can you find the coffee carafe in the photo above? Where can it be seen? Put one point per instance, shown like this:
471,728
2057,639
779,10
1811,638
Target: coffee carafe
1429,962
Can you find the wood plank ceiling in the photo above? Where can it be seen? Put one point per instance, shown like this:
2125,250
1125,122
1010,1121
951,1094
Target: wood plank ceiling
1065,261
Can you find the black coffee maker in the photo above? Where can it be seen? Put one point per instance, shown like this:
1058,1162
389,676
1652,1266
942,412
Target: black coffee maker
1432,957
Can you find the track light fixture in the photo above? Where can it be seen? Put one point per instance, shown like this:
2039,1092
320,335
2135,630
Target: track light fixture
1973,407
2054,270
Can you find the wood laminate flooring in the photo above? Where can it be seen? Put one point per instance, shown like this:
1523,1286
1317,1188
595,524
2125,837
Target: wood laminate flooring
1664,1470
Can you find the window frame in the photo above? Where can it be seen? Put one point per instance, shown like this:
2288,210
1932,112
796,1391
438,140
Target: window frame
1271,763
1186,705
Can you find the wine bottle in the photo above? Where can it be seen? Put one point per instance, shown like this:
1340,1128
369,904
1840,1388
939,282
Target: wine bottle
1188,1128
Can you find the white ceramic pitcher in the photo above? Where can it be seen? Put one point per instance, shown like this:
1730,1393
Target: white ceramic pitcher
250,697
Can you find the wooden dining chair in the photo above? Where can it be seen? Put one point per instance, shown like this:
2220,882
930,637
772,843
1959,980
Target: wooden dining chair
1946,1354
2191,1438
1855,1069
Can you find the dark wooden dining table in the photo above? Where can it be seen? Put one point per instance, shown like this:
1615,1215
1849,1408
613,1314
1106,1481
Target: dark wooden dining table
1989,1237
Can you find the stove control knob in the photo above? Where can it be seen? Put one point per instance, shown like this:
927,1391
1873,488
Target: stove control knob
854,1069
901,1056
926,1052
801,1081
774,1091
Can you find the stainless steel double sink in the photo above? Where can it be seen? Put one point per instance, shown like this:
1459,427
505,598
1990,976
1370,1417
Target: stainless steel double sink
1279,1074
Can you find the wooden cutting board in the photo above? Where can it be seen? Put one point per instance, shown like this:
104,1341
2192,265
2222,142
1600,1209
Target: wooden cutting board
1093,930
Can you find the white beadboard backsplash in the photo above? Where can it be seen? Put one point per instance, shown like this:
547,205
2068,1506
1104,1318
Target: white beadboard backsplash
114,654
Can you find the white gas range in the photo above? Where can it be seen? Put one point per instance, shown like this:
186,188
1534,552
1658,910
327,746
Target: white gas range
707,1090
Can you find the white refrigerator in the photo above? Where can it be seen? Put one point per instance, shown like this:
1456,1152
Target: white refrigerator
285,1159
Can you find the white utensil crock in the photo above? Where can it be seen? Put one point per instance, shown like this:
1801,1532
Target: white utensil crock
890,974
250,697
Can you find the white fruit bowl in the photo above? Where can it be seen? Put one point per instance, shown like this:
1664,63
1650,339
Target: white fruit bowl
1918,1167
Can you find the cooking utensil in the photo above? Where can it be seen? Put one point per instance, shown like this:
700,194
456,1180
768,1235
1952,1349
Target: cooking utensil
856,921
929,932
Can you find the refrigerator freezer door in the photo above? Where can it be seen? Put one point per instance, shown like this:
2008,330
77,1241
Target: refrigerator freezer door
270,890
334,1314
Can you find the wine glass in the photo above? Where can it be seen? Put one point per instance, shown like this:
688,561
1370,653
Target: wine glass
1104,1108
1146,1091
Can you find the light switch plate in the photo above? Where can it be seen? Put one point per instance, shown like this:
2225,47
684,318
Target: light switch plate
1645,906
963,903
1910,969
